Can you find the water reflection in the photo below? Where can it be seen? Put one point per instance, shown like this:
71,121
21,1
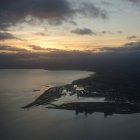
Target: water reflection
40,123
107,108
70,97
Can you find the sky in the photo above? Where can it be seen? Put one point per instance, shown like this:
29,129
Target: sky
39,29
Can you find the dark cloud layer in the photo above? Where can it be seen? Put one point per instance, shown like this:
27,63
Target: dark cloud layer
127,56
5,36
55,11
84,31
70,60
11,48
13,11
127,48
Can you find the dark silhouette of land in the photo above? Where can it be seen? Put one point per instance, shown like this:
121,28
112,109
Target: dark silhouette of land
121,93
117,79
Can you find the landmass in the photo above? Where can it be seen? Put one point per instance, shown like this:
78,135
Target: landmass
120,93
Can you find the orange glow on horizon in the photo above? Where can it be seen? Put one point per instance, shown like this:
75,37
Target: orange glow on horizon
67,42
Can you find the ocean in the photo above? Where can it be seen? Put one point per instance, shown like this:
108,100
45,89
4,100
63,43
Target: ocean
20,87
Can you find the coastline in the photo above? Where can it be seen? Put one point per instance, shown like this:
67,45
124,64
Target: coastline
52,93
117,100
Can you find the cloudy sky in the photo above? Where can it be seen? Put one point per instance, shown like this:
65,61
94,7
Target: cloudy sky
60,26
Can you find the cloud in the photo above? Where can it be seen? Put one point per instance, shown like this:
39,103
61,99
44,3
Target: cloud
14,11
73,60
106,3
132,37
107,32
54,11
90,10
11,48
87,31
120,32
134,1
40,34
35,47
127,48
38,48
110,32
5,36
132,44
73,23
84,31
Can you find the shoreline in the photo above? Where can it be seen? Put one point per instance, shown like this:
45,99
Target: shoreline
51,94
92,87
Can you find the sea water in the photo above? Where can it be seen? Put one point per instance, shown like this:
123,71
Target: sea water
20,87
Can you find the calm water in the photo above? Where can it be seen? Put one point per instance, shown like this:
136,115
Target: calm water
19,87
